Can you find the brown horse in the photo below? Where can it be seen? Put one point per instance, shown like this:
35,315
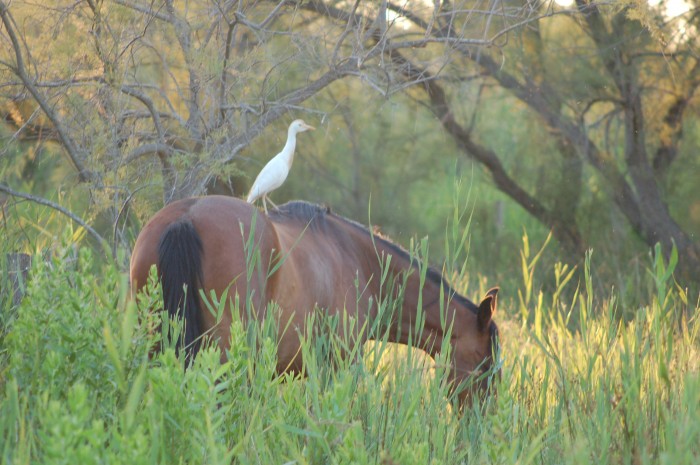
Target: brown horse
308,258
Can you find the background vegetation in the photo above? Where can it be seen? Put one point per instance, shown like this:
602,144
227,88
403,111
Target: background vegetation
576,119
578,384
570,124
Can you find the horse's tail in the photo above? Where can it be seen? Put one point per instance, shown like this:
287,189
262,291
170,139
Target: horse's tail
180,267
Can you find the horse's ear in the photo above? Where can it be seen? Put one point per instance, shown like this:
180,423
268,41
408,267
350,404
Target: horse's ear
487,308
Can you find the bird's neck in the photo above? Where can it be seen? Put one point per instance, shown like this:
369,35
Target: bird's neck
288,151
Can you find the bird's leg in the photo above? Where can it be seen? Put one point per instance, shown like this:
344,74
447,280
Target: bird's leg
264,203
273,203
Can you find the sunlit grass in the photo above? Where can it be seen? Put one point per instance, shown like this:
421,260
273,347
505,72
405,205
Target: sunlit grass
579,384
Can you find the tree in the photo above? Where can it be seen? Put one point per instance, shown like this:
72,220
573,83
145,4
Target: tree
121,84
170,93
185,87
642,80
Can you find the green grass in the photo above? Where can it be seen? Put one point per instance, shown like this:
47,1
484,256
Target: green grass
583,381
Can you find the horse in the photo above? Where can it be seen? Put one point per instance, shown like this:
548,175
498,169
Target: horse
308,258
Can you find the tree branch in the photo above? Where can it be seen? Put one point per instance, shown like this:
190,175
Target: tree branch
163,151
145,9
440,107
21,72
57,207
295,97
148,103
672,131
183,32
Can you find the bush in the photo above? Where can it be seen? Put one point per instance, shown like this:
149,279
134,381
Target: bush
578,385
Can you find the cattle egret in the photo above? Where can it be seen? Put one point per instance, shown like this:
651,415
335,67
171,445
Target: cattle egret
275,172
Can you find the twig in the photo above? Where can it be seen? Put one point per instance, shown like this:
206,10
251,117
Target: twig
57,207
293,97
122,211
20,71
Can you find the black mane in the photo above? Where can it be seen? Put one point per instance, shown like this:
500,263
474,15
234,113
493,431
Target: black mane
298,210
316,217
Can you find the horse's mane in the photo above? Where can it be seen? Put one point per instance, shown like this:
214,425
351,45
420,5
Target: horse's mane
315,217
310,215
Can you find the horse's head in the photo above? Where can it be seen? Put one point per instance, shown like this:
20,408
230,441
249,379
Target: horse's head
476,351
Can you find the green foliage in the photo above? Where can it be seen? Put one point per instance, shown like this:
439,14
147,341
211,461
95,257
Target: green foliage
578,384
387,151
614,389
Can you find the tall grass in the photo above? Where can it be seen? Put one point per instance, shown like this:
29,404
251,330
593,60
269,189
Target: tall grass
579,384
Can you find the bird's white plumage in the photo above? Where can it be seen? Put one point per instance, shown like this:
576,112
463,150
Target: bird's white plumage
275,172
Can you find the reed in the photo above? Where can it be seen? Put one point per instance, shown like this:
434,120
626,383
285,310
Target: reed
582,380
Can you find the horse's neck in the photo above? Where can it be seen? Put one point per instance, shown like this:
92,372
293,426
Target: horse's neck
417,318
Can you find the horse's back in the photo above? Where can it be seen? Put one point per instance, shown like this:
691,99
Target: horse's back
315,264
224,225
145,253
324,265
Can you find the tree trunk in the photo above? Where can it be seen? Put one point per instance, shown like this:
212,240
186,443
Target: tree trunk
564,228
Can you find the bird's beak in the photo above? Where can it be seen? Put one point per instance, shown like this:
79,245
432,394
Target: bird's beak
309,127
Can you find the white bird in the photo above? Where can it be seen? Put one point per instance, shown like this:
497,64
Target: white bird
275,172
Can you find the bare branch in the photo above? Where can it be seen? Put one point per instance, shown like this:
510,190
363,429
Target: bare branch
183,32
57,207
21,72
274,14
163,151
155,114
146,9
295,97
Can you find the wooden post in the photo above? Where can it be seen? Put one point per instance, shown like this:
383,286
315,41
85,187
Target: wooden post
18,265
